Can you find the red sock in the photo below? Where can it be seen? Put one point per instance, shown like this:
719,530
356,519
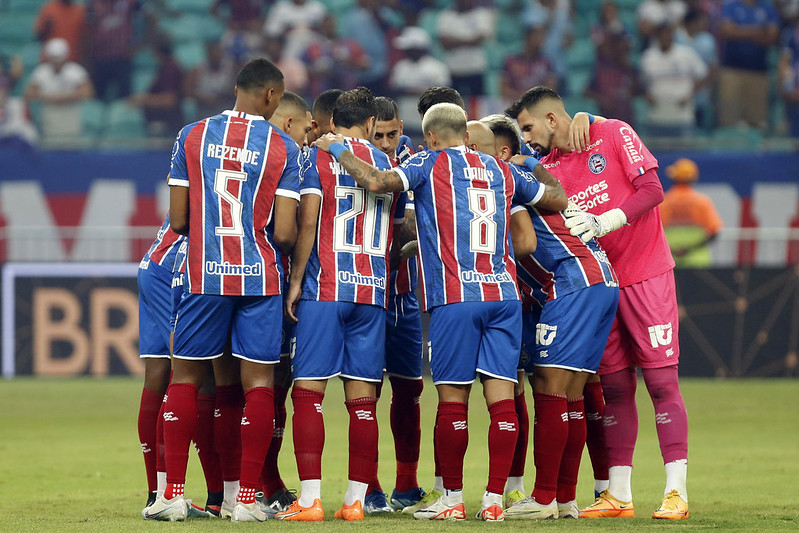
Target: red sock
452,438
671,418
149,407
257,422
573,451
204,442
621,415
363,439
180,422
436,462
160,461
550,431
406,428
309,432
503,432
270,475
595,430
520,452
227,429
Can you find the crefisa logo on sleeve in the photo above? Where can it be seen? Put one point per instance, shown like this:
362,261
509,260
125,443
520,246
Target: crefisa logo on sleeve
596,163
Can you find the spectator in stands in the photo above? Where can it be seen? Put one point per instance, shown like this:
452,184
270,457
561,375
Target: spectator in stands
652,14
615,80
610,23
211,82
60,85
788,71
689,217
295,73
161,103
294,18
671,73
462,31
555,15
109,35
242,15
333,62
529,68
367,24
749,28
695,34
15,121
788,13
62,19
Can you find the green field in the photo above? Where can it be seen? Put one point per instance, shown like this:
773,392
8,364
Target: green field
70,461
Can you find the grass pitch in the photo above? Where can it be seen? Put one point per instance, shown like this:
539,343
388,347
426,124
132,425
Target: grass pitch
70,461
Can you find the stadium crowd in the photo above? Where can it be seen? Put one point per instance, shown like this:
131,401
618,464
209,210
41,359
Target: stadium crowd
102,69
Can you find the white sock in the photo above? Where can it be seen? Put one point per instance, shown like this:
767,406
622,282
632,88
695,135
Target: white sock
231,491
514,483
310,490
453,497
600,485
160,483
489,499
438,484
355,491
676,474
619,483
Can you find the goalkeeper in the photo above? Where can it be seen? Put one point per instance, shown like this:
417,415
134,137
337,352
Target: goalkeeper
612,183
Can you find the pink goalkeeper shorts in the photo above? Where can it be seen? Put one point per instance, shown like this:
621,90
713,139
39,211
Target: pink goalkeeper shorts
645,332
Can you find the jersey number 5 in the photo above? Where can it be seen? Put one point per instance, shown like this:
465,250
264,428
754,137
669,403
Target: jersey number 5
230,205
375,225
482,228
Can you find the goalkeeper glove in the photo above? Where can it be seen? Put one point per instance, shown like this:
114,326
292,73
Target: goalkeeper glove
588,226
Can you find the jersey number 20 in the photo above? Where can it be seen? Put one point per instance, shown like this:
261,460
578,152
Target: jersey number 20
375,225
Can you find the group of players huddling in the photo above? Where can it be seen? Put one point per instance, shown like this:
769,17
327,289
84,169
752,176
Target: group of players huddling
300,233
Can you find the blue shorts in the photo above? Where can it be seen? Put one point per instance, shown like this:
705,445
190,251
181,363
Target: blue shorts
471,337
155,309
574,329
339,339
404,337
529,321
178,280
205,322
287,337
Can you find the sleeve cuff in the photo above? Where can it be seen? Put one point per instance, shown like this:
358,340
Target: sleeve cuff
177,182
538,195
403,178
288,193
310,190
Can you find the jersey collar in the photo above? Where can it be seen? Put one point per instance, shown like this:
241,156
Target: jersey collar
242,114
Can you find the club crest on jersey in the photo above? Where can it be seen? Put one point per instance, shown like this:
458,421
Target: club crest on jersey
597,163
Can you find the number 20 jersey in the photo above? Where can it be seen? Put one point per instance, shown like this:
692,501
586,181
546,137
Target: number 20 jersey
463,201
235,165
349,260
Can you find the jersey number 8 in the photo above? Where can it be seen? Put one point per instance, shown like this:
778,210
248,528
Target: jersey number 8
482,228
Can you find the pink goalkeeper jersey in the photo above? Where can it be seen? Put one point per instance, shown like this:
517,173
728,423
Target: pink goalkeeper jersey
600,179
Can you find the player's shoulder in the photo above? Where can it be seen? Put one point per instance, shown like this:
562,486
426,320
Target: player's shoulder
613,127
421,158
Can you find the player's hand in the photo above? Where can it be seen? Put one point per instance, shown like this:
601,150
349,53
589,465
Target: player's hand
588,226
291,301
528,161
324,142
579,137
410,249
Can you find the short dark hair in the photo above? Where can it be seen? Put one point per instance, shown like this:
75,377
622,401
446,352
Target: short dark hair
386,108
294,100
439,95
258,73
354,108
530,99
502,126
325,102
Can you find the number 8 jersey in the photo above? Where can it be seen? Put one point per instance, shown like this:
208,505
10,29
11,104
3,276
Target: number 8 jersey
234,165
349,260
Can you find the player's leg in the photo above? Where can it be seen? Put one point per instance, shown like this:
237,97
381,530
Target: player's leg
156,380
573,450
277,496
227,426
362,371
204,442
255,341
595,432
376,501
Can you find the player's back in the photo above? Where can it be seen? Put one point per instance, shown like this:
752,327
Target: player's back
349,261
164,248
462,214
235,165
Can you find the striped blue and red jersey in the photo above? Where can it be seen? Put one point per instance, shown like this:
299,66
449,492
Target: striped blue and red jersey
463,200
405,278
349,259
561,263
164,248
235,165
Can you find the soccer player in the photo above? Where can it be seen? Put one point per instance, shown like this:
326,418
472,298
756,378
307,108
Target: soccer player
233,189
615,182
322,113
337,294
463,203
293,117
403,337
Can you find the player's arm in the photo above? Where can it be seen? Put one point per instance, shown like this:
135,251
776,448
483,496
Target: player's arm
367,176
579,137
522,233
179,209
309,216
285,230
554,197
